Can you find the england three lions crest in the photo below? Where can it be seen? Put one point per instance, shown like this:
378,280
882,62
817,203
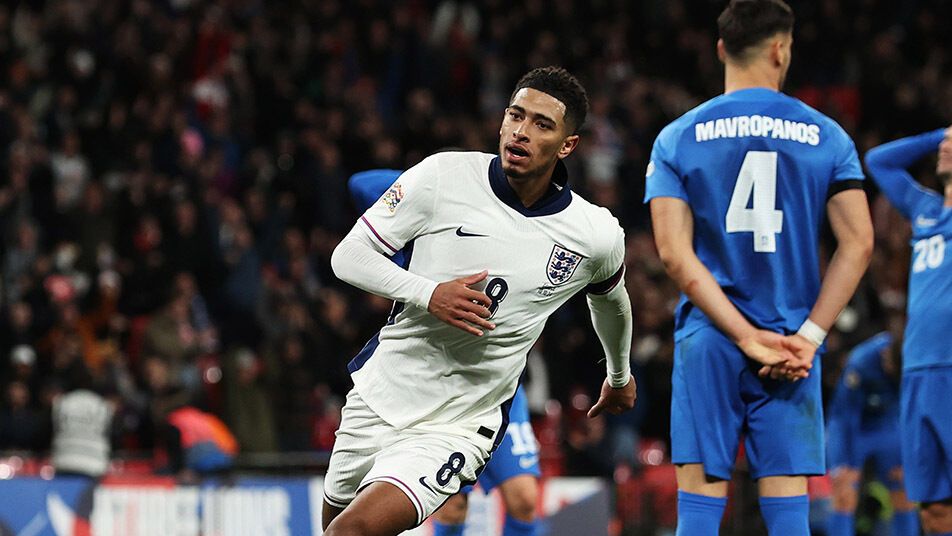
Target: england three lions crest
562,264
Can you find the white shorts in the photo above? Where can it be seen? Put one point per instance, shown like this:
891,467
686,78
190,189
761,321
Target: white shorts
428,465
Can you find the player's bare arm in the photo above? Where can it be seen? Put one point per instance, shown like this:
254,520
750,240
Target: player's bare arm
455,303
849,217
848,212
673,226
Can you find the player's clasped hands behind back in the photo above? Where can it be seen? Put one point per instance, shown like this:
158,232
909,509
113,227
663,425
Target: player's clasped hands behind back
787,357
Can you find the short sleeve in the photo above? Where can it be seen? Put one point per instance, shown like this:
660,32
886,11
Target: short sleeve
611,266
662,178
403,211
846,161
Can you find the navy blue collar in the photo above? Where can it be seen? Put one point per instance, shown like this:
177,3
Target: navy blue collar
556,199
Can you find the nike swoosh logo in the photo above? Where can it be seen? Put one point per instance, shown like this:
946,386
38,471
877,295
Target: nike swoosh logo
461,232
528,461
425,485
925,222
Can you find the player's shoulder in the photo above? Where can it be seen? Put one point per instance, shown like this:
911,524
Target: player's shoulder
456,166
596,221
598,215
449,160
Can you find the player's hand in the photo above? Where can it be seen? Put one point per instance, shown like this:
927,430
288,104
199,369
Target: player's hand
615,400
458,305
798,368
765,347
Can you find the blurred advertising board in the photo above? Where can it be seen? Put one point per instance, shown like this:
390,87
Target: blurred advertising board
246,506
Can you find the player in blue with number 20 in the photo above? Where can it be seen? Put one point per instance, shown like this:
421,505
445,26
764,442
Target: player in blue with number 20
925,400
738,188
514,467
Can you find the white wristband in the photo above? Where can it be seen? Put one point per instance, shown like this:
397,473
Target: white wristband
812,332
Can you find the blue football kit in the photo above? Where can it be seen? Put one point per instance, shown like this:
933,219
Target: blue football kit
863,415
925,403
756,168
517,454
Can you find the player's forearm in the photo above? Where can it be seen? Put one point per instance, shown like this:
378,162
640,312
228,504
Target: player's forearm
904,152
887,165
843,275
673,225
848,213
611,318
699,285
356,261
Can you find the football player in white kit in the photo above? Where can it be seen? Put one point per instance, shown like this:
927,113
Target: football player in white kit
493,245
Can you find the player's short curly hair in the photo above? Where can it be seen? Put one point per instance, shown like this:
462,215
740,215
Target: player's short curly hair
745,23
559,83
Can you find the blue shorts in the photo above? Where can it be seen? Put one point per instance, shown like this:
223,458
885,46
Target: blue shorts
879,445
518,454
927,433
717,397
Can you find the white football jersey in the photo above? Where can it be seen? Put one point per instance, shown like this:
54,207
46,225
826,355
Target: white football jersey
455,215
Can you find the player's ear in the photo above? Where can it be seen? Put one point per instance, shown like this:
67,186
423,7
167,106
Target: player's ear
780,50
568,145
721,51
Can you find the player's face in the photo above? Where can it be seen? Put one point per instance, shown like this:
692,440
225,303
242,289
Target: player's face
944,166
534,135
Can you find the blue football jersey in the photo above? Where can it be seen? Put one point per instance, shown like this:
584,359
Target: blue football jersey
865,392
756,167
863,416
929,307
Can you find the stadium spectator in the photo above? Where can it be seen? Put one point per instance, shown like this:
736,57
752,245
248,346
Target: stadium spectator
292,374
82,433
20,424
197,443
171,336
248,406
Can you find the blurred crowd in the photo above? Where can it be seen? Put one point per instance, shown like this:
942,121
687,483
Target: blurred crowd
173,181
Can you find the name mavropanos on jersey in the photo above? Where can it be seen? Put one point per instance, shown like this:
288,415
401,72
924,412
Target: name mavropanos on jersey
757,167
